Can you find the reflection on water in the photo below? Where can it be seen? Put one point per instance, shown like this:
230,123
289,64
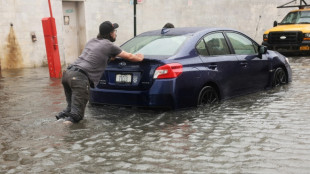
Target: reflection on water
265,132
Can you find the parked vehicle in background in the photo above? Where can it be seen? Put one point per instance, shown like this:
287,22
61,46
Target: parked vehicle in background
292,34
185,67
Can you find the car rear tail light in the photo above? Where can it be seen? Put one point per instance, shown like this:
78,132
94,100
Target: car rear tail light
168,71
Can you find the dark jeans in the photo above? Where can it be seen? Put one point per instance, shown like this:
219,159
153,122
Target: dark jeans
76,86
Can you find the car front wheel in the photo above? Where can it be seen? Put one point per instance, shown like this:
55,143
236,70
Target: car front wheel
208,95
279,77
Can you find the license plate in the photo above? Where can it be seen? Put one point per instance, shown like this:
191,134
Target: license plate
123,78
304,47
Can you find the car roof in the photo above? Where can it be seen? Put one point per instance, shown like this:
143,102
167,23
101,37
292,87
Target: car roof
181,31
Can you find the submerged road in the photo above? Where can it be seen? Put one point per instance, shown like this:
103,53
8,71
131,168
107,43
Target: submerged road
265,132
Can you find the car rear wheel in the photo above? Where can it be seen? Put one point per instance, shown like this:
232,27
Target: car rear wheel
208,95
279,77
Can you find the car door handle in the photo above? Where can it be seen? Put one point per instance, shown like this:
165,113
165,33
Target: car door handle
212,66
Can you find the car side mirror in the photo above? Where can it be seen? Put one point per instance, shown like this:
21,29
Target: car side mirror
275,23
262,50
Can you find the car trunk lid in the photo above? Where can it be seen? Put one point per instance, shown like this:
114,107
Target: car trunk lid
123,74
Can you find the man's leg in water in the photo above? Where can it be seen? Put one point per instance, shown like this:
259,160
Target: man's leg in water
68,94
80,96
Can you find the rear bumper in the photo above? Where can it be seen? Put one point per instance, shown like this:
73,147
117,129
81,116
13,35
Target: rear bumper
289,48
161,94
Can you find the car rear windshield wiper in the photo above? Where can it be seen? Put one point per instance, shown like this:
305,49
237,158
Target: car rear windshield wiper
304,23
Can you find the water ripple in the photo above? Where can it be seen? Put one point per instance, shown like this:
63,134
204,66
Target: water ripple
265,132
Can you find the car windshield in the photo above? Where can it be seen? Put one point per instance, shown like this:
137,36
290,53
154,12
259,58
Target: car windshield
154,45
299,17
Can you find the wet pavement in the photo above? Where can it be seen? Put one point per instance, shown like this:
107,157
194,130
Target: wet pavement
265,132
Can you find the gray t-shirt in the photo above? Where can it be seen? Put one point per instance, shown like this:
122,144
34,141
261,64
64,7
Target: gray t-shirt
95,56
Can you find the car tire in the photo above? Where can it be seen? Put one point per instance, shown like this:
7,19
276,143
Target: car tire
208,95
279,77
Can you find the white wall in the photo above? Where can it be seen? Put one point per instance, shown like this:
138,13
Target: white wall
26,16
252,17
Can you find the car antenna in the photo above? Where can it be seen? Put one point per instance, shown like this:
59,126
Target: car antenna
302,4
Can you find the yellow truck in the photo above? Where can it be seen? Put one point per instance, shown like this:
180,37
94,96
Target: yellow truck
292,34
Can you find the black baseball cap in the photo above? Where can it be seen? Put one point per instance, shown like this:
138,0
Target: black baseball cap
107,27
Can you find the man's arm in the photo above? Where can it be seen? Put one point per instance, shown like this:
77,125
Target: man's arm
131,57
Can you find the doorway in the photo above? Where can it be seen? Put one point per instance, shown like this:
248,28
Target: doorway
74,29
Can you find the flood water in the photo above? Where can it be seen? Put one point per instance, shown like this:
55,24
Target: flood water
265,132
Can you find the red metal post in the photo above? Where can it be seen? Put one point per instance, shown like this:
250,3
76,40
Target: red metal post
50,7
51,45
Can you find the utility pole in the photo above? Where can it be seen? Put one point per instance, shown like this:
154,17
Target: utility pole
134,18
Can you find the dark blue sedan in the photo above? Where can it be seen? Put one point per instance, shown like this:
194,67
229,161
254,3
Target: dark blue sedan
185,67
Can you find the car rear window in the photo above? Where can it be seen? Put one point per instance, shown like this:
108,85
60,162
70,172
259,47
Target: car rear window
154,45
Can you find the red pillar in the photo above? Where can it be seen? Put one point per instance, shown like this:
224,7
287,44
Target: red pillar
51,45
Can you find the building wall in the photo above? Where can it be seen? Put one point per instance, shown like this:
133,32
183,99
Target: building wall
17,49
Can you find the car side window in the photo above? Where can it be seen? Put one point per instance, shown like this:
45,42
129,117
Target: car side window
201,48
241,44
216,44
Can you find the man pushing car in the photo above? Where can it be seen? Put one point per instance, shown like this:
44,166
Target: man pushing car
87,70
